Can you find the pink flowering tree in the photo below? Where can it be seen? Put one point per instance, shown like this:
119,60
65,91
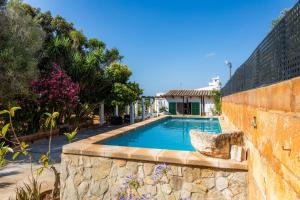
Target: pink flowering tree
56,90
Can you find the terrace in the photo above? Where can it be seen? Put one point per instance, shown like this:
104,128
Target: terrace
87,131
264,108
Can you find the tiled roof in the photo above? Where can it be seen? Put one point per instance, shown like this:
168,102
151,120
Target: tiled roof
189,93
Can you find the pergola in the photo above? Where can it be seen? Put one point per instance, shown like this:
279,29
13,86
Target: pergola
131,110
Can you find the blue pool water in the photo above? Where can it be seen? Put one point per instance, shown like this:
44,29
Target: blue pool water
171,133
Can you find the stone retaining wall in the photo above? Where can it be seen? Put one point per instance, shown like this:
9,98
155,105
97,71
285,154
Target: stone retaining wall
88,177
270,119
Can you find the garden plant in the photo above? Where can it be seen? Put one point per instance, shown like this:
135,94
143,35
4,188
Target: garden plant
12,146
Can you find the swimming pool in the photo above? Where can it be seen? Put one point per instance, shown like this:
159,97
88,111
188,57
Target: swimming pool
170,133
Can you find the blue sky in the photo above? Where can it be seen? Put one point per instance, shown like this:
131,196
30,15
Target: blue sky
173,43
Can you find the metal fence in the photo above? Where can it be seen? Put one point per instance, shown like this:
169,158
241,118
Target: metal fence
277,57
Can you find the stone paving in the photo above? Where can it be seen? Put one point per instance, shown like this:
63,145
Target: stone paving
18,172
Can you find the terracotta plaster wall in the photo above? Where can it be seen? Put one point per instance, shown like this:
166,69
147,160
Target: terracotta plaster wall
274,145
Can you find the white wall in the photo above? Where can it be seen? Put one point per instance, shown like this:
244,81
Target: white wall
159,103
208,107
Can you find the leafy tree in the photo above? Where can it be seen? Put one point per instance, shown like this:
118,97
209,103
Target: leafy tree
61,26
87,72
19,42
122,92
147,102
217,101
93,44
59,50
84,60
111,56
78,40
118,73
27,121
125,93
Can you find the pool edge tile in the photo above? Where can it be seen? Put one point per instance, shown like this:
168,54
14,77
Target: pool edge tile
118,151
172,156
145,154
94,150
73,148
232,164
197,159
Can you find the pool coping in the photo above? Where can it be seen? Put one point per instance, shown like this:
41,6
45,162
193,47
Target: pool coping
88,147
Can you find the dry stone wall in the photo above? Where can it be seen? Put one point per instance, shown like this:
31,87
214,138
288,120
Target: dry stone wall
87,177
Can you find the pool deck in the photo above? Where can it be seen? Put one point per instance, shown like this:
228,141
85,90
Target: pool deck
89,147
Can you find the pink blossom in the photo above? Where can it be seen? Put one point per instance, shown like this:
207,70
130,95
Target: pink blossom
56,89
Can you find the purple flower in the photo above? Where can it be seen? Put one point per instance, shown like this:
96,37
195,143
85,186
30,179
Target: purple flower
128,179
159,172
122,197
131,196
121,194
132,182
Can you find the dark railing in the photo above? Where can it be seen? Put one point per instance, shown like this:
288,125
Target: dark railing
277,57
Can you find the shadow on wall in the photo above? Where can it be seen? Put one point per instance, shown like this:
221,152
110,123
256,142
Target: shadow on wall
273,139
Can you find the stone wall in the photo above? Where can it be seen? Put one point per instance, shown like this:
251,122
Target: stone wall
274,155
87,177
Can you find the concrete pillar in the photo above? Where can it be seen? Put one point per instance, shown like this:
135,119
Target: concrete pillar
101,114
157,107
143,109
132,113
117,110
136,109
128,110
152,106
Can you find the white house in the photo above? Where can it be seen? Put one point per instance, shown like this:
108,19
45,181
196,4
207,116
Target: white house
214,84
192,101
160,102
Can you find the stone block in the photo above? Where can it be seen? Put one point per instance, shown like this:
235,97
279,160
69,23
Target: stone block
221,183
215,145
176,182
237,153
148,168
207,173
101,171
208,183
166,188
120,163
